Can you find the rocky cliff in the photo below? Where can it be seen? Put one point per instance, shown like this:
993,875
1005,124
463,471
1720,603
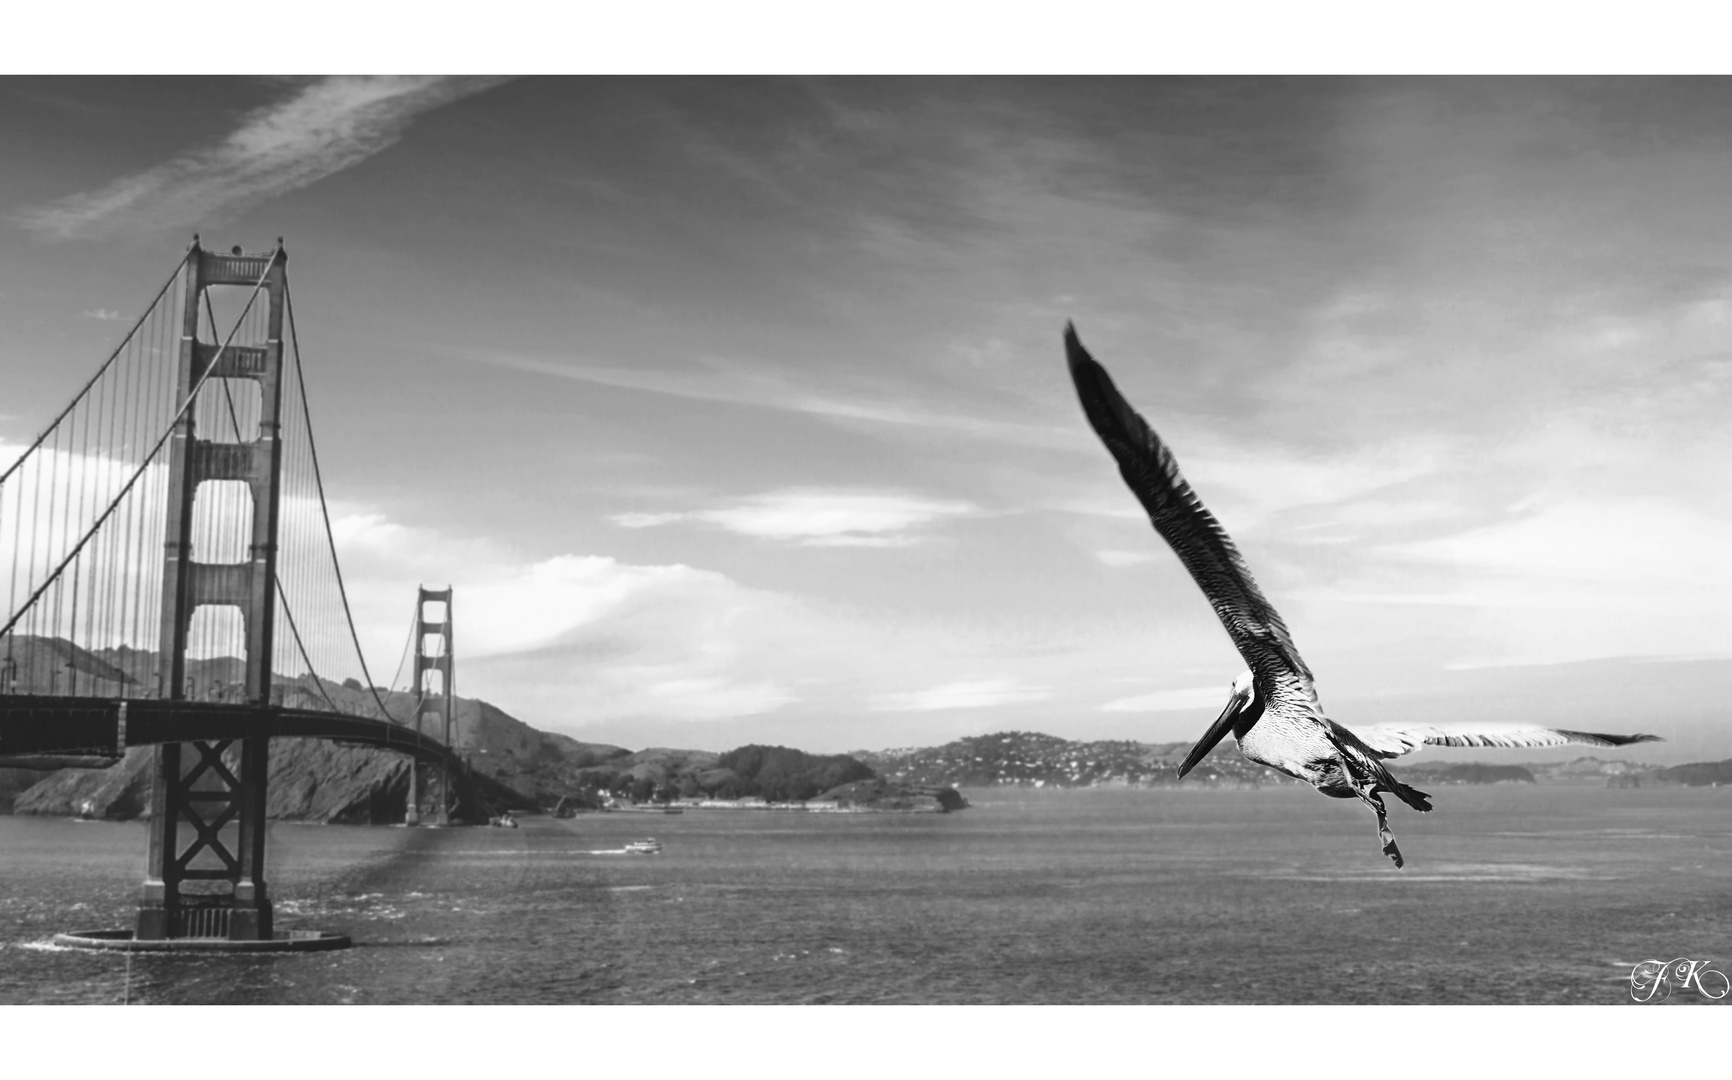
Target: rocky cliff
310,780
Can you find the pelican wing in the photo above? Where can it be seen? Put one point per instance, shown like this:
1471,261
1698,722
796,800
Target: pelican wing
1184,522
1394,740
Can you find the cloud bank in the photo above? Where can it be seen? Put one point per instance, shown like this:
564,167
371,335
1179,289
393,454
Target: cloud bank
819,518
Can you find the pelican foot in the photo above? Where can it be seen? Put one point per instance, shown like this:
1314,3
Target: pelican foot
1389,847
1375,801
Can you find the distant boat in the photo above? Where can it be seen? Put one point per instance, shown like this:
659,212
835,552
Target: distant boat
646,846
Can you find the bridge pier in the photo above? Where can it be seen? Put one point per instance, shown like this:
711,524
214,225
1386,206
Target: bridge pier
231,900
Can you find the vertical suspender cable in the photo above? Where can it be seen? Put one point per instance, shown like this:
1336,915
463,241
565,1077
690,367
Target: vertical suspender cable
324,510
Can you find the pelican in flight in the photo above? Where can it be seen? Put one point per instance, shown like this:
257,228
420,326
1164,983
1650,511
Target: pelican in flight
1272,709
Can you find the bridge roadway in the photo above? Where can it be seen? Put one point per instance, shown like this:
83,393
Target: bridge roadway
42,731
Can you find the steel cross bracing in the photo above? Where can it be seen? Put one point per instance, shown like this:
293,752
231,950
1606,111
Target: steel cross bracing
199,451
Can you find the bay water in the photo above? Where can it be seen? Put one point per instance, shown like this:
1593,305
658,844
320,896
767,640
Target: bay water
1512,894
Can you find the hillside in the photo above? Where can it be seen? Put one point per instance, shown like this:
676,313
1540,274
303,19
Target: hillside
1468,772
1695,774
771,773
1593,772
310,780
1035,760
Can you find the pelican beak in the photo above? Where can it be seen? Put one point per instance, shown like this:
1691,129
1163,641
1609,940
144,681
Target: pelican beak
1217,731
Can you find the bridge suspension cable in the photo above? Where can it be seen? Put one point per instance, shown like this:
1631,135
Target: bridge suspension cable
79,461
310,538
82,523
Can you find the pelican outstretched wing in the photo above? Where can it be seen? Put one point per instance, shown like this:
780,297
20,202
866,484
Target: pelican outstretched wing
1184,522
1394,740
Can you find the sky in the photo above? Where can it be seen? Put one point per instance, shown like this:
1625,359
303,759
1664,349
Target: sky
735,409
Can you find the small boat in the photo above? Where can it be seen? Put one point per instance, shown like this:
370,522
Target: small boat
644,847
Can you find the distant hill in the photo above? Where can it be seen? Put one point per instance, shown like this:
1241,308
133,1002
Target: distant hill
1033,759
1593,772
881,794
51,665
1695,774
772,773
1469,772
780,774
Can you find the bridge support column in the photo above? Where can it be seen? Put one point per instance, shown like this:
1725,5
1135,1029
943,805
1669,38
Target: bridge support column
431,701
206,872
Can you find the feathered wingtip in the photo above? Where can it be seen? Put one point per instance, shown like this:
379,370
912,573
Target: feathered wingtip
1107,410
1597,738
1074,352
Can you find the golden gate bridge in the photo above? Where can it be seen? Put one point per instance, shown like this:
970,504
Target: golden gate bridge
171,580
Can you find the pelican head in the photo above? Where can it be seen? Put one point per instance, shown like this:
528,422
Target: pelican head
1238,711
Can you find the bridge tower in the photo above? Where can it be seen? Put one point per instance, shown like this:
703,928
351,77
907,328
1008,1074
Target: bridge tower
208,880
437,704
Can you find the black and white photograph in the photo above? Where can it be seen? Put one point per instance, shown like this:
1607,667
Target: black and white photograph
903,539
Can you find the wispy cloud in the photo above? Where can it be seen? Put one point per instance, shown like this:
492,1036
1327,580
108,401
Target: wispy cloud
647,521
324,127
817,518
102,315
1195,698
1258,481
735,385
967,694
